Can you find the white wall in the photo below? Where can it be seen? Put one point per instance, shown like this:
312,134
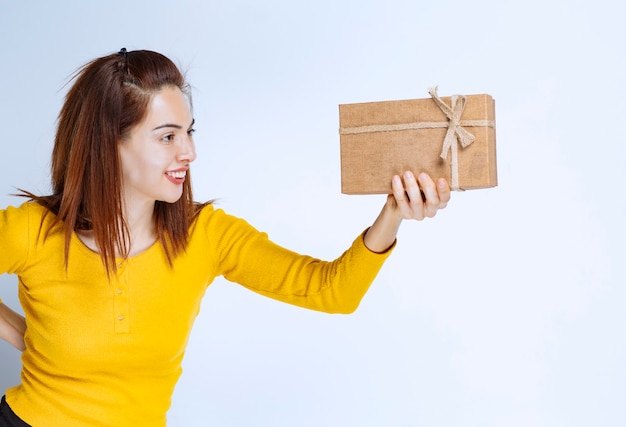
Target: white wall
504,310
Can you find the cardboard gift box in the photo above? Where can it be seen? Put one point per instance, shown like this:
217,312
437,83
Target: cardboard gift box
450,137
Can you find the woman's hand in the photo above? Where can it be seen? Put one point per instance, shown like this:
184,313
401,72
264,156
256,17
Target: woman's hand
418,198
12,327
412,198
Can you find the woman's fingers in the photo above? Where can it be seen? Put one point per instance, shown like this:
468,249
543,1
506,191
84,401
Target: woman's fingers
402,198
419,198
444,192
431,202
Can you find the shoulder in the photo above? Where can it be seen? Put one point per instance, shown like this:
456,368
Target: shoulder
19,233
211,215
25,212
213,221
29,222
25,220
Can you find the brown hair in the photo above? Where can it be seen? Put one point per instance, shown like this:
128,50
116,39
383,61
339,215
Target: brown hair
109,96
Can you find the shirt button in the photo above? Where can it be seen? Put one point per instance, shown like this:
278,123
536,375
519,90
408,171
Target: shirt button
120,317
118,291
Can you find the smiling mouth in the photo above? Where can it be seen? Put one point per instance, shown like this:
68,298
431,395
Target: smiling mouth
177,174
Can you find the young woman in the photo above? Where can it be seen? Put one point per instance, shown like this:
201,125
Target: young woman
112,265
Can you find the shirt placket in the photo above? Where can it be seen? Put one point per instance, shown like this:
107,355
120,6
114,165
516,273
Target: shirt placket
121,311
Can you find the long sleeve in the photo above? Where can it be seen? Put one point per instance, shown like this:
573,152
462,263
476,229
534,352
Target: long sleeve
246,256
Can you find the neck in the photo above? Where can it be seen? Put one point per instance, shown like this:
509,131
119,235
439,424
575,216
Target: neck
139,218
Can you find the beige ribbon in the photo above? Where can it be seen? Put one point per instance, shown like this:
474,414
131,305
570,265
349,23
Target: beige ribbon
456,130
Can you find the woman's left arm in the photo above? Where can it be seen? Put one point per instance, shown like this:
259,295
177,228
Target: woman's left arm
12,327
412,198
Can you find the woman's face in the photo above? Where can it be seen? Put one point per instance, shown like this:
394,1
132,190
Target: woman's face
155,157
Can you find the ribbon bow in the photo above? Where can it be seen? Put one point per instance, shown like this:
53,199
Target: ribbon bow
456,132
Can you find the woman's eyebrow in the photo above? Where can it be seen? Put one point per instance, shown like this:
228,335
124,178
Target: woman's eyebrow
168,125
172,125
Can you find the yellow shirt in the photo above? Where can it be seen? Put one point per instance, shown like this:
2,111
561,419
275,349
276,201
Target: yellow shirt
108,352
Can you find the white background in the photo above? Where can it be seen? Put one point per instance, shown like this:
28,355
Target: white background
507,309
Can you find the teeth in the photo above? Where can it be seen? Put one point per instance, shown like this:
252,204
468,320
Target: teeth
177,174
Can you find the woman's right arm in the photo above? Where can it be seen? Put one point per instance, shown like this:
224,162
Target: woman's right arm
16,238
12,327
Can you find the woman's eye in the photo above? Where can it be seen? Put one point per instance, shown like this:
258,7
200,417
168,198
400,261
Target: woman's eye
168,138
190,132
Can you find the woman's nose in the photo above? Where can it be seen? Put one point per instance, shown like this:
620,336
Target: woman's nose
187,152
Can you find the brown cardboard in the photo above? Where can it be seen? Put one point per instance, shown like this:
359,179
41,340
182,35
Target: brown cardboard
369,160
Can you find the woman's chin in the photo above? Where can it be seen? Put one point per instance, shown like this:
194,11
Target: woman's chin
171,199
